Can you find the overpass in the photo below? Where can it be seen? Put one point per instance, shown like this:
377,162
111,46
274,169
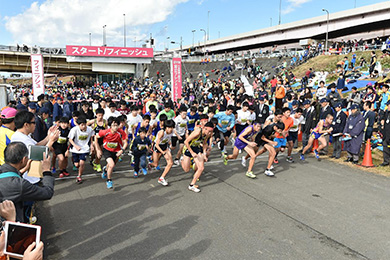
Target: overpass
366,22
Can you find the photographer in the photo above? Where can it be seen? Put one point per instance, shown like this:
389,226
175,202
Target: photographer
7,212
13,187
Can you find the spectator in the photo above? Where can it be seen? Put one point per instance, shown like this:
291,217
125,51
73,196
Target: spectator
41,128
354,131
13,187
23,104
6,130
57,109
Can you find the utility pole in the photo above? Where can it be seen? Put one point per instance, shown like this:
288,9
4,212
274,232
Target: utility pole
270,21
280,12
208,25
104,35
327,29
193,37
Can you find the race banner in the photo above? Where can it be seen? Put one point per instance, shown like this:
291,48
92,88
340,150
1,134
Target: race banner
38,80
176,82
103,51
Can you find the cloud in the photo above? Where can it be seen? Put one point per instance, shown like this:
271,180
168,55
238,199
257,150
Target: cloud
292,5
57,22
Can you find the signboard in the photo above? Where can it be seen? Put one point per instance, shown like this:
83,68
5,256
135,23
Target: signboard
97,51
38,79
176,78
247,86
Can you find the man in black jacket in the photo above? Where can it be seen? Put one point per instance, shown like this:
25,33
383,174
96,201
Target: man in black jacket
385,122
311,120
13,187
324,112
338,125
262,110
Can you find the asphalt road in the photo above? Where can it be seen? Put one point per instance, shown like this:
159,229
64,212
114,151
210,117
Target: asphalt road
310,210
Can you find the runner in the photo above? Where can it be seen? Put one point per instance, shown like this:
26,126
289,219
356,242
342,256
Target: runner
323,128
114,144
225,125
195,147
99,123
293,132
61,146
180,133
140,147
161,145
79,138
245,141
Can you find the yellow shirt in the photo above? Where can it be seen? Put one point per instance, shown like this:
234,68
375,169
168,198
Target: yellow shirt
5,140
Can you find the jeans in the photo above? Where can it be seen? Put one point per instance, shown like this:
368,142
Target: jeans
139,159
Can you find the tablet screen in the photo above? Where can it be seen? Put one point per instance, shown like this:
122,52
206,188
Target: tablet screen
19,238
36,152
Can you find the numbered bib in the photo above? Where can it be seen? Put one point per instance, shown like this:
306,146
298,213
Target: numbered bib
62,140
112,145
83,137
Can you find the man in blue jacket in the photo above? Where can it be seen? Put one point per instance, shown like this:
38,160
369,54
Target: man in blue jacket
225,125
57,109
354,131
338,125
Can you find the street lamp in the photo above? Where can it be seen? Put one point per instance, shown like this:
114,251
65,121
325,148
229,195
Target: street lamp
280,12
202,30
327,29
208,25
179,43
90,40
104,35
124,30
193,37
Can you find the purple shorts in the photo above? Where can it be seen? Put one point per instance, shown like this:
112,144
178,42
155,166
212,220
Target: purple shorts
239,144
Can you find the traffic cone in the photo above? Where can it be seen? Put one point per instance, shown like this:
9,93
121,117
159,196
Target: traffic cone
367,160
315,145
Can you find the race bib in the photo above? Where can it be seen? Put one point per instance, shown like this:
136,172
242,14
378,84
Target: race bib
62,140
224,122
141,147
191,121
112,145
164,141
83,137
243,120
183,125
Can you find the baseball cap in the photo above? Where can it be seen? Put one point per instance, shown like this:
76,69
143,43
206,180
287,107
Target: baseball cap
32,106
8,112
338,105
323,100
295,103
354,106
261,98
306,102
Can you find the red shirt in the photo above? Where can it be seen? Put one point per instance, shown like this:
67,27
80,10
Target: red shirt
112,141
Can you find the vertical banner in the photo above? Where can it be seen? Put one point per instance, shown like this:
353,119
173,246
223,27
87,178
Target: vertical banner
176,78
38,80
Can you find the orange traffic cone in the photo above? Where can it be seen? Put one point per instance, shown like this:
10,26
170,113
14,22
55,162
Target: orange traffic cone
315,145
367,160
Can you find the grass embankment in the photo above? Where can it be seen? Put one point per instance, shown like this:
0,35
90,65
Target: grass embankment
328,63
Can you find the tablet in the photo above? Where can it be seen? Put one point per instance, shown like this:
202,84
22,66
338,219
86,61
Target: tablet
35,152
18,236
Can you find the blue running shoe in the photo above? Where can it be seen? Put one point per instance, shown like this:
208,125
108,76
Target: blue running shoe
135,174
158,168
316,153
53,170
109,184
302,157
104,173
144,171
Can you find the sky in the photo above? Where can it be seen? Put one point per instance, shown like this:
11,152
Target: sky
57,23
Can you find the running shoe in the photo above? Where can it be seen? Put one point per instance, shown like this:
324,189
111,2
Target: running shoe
317,155
162,181
79,180
53,170
302,157
93,166
75,168
272,167
158,168
109,184
224,150
269,173
98,168
144,171
61,175
104,173
243,161
225,160
135,174
176,162
276,161
120,159
250,175
65,172
193,188
289,159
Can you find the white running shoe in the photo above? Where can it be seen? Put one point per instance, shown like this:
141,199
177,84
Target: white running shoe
163,182
193,188
176,162
269,173
272,167
243,161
